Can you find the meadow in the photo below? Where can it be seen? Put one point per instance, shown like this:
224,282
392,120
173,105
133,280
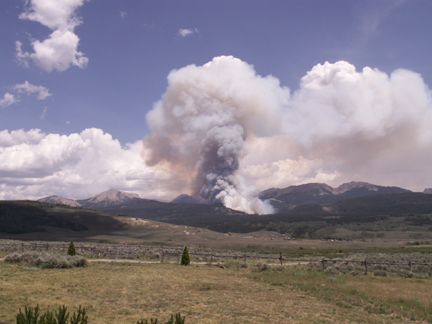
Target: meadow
124,293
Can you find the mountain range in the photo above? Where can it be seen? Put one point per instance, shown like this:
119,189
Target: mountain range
105,199
283,199
321,193
314,210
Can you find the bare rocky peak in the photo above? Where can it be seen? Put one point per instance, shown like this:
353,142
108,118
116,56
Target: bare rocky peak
112,196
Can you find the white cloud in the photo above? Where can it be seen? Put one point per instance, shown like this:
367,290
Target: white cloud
185,32
54,14
60,50
7,100
15,137
27,88
34,164
123,14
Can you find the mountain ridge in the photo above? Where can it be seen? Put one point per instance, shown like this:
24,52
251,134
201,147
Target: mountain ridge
282,199
323,194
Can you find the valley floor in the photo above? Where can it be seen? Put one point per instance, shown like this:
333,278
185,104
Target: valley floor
123,293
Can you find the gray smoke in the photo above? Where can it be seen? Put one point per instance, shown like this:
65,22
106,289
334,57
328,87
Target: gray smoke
200,126
224,132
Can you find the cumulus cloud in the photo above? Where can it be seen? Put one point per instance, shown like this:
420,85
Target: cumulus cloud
27,88
10,98
34,164
7,100
60,50
185,32
228,132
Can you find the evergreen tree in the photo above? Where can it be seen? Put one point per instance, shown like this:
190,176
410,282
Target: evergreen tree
71,249
185,259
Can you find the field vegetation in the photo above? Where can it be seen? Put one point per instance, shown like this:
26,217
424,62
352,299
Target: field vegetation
126,293
46,260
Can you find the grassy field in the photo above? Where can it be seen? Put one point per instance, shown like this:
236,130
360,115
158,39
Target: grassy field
395,298
120,293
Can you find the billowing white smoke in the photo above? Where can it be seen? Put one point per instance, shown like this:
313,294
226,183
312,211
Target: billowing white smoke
203,120
227,132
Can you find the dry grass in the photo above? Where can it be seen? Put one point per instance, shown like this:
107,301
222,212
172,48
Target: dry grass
398,299
120,293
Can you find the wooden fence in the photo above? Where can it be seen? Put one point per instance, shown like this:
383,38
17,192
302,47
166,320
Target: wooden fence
164,254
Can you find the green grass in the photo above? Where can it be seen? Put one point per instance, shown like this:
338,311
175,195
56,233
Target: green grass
395,297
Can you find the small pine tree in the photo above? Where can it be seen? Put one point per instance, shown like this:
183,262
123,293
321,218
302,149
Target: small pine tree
185,259
71,249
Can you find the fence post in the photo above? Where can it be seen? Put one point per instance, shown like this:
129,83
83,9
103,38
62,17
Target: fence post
281,258
410,265
211,258
162,256
365,267
323,261
244,259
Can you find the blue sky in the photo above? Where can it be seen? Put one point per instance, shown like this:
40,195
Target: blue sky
133,44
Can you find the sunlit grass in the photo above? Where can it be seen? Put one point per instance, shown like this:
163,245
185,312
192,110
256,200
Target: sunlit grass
399,298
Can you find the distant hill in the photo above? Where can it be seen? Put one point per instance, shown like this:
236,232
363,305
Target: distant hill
57,200
347,218
310,193
428,191
319,193
19,217
109,198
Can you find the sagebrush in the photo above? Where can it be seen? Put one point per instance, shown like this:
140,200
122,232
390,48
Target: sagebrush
46,260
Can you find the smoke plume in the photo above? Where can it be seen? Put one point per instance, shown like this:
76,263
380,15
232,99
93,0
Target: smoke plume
203,120
226,132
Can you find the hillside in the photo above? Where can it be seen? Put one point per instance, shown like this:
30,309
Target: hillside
20,217
284,199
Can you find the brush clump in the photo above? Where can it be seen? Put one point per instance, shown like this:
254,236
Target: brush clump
46,260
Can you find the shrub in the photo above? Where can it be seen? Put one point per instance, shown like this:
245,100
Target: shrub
32,315
260,267
185,259
46,260
174,319
71,249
